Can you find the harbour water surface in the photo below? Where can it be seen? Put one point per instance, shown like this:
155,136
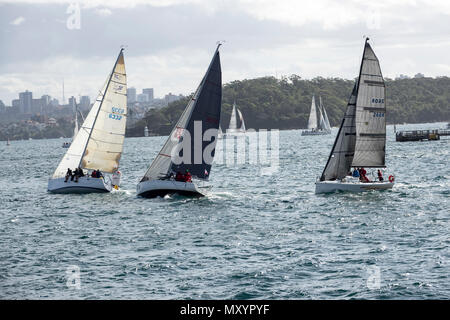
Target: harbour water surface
253,237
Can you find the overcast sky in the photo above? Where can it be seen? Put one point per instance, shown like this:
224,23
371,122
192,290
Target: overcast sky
170,43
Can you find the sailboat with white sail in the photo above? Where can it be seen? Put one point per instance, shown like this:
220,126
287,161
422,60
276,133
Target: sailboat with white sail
194,136
233,130
317,126
75,129
98,144
361,139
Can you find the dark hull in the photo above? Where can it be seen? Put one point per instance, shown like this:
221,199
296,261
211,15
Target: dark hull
162,193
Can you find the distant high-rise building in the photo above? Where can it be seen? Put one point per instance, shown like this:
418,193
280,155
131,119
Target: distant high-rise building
72,102
46,99
131,95
85,102
149,93
54,102
142,97
26,102
38,106
171,97
2,107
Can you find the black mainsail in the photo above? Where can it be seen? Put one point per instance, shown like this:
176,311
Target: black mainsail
361,138
201,114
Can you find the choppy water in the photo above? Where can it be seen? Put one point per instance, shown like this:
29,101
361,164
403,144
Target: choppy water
252,237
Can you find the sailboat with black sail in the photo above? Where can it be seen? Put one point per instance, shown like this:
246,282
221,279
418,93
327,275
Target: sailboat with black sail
185,160
98,145
361,139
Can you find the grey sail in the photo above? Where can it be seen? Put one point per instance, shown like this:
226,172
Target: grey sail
322,125
370,113
341,156
325,116
203,109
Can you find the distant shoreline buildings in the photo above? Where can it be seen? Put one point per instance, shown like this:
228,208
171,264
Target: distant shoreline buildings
26,106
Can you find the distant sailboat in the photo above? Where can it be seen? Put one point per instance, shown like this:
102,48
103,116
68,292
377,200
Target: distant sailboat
361,140
146,131
317,126
196,132
232,129
75,130
99,142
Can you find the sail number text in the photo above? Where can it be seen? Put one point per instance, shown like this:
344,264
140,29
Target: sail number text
114,115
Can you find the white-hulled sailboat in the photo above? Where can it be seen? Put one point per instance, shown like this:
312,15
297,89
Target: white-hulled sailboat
99,142
361,140
232,130
195,135
316,126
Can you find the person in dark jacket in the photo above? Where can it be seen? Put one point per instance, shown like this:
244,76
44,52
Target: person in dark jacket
380,175
68,174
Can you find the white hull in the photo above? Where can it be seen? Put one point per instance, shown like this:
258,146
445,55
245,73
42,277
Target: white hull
84,185
351,186
315,133
155,188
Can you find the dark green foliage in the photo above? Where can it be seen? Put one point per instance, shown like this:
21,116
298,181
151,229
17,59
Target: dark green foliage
270,103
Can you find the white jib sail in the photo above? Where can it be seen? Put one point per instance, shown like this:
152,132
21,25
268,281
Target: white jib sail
233,122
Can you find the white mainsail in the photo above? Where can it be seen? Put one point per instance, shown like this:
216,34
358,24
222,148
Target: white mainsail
99,142
312,122
370,113
233,123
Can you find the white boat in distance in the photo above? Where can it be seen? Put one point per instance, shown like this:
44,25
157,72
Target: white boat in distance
98,144
232,130
204,108
316,127
75,129
361,139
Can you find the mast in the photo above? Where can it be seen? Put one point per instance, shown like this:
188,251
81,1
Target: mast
100,107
